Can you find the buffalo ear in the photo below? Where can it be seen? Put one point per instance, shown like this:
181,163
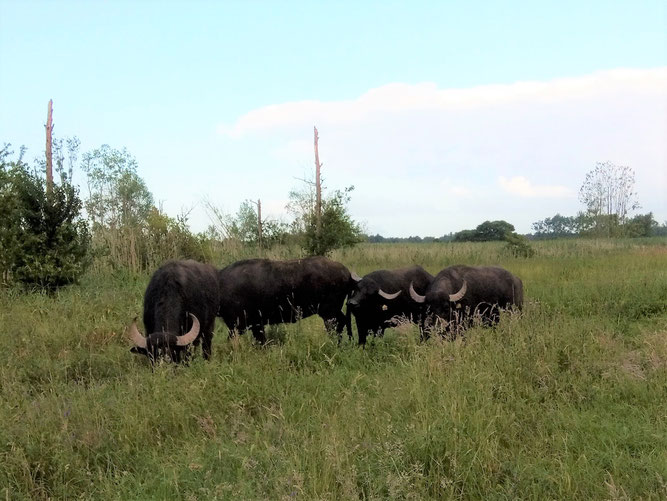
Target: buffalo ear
139,351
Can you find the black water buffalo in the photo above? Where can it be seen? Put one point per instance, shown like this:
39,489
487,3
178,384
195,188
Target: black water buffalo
384,295
257,292
180,306
460,293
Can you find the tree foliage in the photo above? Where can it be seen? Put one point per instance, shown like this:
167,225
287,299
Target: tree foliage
43,238
563,226
9,209
487,231
641,225
117,196
338,229
245,227
585,225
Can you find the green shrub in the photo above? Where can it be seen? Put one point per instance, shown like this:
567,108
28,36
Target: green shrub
44,240
518,246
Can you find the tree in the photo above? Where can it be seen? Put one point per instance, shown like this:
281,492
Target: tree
493,230
563,226
9,209
659,230
555,227
244,227
487,231
338,229
464,236
608,193
642,225
119,204
44,240
118,197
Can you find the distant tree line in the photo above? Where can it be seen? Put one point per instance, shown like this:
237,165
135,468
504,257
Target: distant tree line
585,225
379,239
487,231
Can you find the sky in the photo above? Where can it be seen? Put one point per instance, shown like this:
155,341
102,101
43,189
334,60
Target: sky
441,114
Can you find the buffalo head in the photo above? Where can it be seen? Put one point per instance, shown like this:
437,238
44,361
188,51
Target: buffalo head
163,345
368,293
439,302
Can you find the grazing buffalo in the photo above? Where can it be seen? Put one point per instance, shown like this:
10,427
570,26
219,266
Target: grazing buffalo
257,292
382,296
459,294
180,306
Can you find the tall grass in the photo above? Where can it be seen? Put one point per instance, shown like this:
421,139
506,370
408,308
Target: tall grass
566,401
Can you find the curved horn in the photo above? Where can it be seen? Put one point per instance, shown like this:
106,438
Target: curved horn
416,297
386,295
460,293
355,277
186,339
136,336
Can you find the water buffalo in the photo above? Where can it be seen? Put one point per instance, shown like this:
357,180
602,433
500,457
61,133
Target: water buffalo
460,293
257,292
180,306
383,295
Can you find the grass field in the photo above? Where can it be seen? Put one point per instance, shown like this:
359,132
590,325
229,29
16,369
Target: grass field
566,401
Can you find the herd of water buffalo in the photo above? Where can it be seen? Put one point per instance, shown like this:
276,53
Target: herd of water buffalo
183,299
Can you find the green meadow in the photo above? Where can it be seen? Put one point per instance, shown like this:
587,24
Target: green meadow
567,400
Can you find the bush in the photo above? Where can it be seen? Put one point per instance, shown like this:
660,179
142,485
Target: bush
44,240
518,246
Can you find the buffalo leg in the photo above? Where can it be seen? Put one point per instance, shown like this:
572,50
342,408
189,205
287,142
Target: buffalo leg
423,334
334,321
258,333
362,331
340,322
206,344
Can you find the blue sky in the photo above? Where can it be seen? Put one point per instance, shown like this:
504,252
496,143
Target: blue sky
442,114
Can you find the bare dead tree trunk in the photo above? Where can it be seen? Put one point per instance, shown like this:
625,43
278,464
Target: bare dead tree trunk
318,188
49,155
259,225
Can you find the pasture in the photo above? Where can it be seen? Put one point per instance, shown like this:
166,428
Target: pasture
566,401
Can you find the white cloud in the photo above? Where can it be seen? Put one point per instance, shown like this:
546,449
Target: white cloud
519,185
460,191
402,97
